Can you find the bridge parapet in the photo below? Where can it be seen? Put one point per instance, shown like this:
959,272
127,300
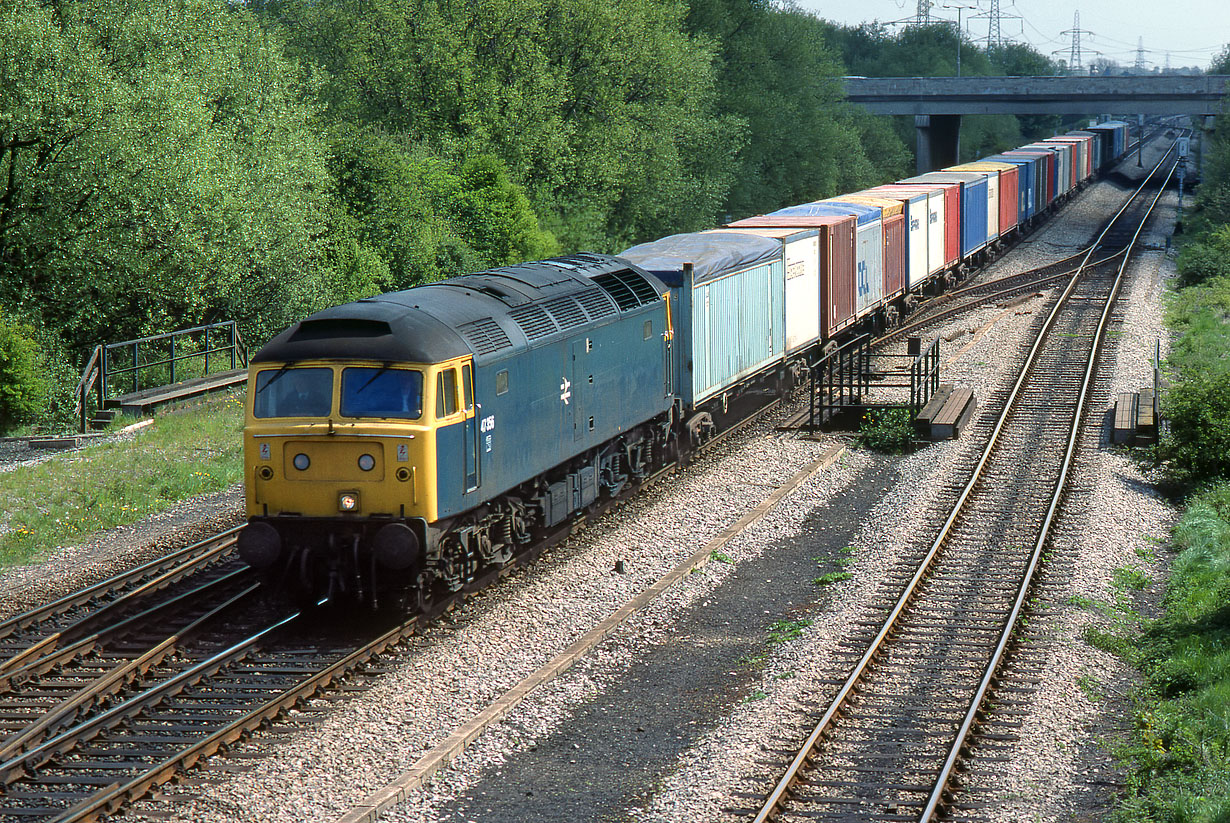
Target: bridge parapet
1118,94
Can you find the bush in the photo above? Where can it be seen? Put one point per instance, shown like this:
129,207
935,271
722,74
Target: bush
887,430
1206,258
1197,447
23,383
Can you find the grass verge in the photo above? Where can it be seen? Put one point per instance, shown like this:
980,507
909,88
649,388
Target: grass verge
1179,759
72,496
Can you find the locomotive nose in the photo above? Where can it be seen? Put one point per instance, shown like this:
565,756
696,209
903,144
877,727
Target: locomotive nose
259,545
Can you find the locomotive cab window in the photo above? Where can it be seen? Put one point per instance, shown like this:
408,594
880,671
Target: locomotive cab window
446,393
382,392
467,387
501,382
288,392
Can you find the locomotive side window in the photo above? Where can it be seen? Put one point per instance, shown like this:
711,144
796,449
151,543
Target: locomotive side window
467,387
501,382
382,392
446,393
287,392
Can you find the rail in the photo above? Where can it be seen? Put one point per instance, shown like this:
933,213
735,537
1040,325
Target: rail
771,807
89,380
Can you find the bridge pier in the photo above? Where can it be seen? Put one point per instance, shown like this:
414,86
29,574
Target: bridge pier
939,141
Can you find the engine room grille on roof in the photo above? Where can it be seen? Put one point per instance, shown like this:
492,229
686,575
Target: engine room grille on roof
484,335
628,288
566,311
596,303
533,321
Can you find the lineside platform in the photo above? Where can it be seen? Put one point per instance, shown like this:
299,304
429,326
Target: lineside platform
141,402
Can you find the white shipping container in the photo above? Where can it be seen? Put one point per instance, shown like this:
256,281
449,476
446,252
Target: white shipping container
802,257
934,221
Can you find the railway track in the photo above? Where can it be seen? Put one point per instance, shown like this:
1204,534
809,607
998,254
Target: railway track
925,660
1108,248
111,691
105,709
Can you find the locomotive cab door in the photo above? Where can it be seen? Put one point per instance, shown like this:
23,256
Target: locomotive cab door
472,473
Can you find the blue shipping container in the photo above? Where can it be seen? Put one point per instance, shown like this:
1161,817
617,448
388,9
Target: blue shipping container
728,299
1027,173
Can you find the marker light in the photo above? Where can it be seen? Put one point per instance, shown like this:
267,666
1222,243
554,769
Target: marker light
302,462
348,502
367,462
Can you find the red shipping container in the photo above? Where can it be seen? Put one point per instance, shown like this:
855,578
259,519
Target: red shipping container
1009,195
837,275
894,256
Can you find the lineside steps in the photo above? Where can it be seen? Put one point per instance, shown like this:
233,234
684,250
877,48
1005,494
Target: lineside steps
851,385
163,360
141,402
1135,418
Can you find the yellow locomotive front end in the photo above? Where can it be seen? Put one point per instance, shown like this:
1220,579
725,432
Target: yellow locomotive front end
340,476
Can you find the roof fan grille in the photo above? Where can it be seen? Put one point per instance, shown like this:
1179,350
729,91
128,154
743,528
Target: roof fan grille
533,321
597,304
625,298
485,336
567,312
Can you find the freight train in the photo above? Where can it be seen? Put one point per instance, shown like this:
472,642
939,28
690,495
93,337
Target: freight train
397,446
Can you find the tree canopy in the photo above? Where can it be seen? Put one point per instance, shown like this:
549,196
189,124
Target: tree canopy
174,162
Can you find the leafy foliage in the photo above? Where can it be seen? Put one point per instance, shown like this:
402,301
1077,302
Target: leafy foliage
602,111
23,385
1197,447
1206,258
157,163
779,75
887,430
1180,757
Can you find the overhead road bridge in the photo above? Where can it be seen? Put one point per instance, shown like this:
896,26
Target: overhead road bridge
937,103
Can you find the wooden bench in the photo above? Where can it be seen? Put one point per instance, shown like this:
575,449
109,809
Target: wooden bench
1123,430
946,413
1146,417
922,423
955,413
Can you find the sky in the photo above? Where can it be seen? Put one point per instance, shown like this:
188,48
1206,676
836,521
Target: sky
1192,31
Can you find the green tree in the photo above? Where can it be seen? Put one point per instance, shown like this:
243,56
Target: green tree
601,111
778,74
23,384
158,167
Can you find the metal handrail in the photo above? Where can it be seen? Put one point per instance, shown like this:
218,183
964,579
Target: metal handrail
89,376
235,347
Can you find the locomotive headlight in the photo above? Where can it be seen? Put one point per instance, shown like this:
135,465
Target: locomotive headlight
348,502
367,462
302,462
